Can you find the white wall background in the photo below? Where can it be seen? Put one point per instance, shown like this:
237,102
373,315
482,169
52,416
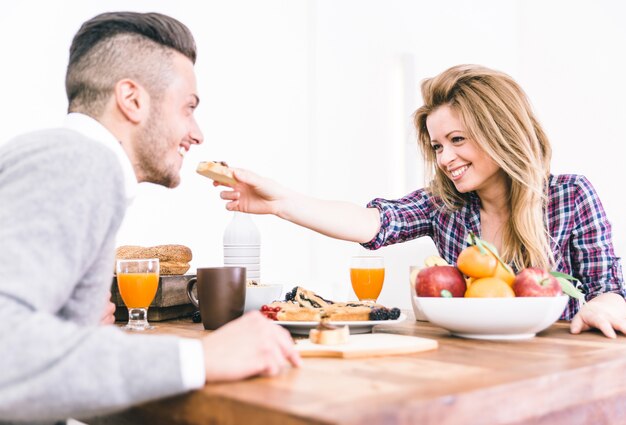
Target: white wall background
318,95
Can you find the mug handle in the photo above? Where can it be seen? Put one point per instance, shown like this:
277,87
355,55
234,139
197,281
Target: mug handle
190,285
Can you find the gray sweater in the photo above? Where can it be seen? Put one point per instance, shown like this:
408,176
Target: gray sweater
61,203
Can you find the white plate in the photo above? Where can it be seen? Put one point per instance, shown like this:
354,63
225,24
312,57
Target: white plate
493,318
356,327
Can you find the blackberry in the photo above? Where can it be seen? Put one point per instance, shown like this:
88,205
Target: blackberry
394,313
291,295
380,313
196,318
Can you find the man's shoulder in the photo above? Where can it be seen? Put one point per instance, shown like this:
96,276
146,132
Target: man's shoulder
52,137
58,144
59,154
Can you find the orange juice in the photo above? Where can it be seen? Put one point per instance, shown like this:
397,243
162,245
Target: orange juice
367,283
138,289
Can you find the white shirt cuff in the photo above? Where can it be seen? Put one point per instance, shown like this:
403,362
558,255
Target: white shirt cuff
192,363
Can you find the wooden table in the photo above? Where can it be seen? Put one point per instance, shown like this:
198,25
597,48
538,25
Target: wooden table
554,378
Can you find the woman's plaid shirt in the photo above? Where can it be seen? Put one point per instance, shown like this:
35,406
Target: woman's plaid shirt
581,233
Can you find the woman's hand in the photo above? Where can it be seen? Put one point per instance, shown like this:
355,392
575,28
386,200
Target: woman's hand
606,312
337,219
254,194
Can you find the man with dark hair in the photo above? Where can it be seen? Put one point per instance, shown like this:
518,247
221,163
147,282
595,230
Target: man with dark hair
63,193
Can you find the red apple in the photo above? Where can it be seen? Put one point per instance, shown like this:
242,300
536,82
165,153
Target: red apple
536,282
431,281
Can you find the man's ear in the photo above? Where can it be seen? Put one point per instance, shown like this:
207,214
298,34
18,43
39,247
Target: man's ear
132,100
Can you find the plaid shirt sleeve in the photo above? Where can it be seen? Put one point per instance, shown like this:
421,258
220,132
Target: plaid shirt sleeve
402,219
583,232
593,258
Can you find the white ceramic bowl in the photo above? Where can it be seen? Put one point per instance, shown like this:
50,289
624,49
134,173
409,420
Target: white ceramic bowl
258,295
492,318
419,315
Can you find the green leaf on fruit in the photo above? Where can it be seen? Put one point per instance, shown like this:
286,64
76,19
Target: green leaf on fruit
568,287
565,276
494,251
475,240
490,247
481,247
484,245
446,294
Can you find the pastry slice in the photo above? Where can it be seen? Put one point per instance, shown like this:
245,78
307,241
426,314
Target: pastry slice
299,314
217,171
307,298
347,313
327,334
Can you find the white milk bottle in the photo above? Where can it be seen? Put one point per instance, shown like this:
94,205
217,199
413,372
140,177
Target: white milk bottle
242,245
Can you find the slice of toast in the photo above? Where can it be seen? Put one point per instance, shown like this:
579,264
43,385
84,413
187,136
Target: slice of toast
217,171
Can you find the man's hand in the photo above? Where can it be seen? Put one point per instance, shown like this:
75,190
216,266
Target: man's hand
108,316
606,312
249,346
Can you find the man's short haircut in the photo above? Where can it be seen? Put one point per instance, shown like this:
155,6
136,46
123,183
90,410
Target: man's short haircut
117,45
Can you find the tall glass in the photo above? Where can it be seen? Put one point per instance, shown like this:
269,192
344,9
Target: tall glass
367,275
138,281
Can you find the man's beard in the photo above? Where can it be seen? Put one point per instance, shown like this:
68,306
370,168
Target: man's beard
152,153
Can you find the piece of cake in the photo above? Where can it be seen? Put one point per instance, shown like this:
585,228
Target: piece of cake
338,313
304,305
328,334
299,314
307,298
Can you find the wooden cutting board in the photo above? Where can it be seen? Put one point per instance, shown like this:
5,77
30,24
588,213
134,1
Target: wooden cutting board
364,345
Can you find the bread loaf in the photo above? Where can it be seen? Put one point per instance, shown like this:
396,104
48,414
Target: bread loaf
169,268
173,259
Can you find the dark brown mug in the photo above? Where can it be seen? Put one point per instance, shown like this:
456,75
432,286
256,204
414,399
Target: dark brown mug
221,294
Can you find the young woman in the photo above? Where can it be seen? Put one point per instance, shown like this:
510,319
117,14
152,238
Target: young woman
489,165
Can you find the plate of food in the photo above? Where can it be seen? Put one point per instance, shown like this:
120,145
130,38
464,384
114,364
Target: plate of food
303,310
356,326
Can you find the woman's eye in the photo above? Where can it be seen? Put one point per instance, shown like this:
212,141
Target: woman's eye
436,148
458,139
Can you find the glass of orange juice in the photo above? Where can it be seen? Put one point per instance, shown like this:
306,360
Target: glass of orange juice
367,275
138,281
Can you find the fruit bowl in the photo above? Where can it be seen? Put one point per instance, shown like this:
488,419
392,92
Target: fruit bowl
492,318
258,295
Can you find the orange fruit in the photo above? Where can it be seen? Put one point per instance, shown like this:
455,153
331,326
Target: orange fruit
474,263
489,287
506,274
